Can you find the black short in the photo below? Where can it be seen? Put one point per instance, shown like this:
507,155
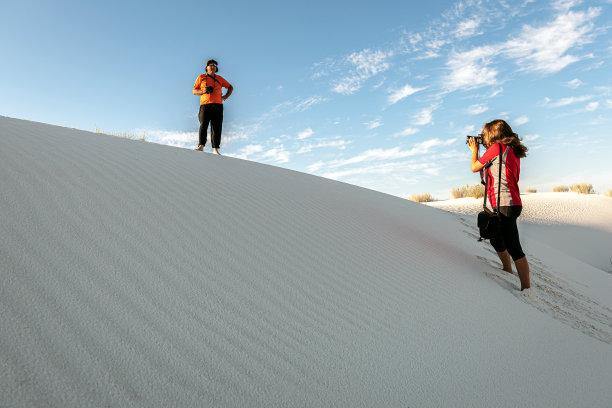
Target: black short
508,237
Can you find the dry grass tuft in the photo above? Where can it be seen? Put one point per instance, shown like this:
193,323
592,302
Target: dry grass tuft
582,188
475,191
608,193
422,198
531,190
124,134
560,189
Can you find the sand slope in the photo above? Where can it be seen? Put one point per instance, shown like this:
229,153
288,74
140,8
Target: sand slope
136,274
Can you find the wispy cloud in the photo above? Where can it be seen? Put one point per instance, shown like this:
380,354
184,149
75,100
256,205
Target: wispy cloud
530,138
592,106
169,137
574,83
337,144
521,120
471,69
402,93
258,152
407,132
545,49
304,105
467,28
394,153
362,66
247,151
424,116
373,124
566,101
276,155
306,133
477,109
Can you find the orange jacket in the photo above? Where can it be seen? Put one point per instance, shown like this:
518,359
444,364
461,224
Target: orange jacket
217,82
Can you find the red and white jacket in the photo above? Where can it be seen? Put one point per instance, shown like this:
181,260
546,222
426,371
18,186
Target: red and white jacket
511,169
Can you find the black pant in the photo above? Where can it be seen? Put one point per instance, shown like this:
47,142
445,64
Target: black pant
211,113
508,237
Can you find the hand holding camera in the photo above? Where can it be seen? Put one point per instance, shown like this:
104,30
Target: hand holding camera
477,139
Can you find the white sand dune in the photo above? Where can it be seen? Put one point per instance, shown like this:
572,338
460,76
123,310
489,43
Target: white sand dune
576,224
136,274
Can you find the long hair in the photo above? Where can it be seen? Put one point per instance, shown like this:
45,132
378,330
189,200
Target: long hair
500,131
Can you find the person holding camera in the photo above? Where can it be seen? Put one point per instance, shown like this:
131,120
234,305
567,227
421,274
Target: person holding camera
506,242
209,87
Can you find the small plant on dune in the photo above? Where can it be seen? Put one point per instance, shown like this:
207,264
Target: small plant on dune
475,191
608,193
422,198
531,190
560,189
582,188
124,134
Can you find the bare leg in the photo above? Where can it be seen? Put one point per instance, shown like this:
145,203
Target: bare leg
216,151
506,261
522,267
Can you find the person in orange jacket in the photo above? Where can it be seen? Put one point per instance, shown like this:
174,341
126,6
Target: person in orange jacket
209,87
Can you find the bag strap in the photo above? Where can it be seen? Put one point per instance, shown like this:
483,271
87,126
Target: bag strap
213,77
499,178
484,201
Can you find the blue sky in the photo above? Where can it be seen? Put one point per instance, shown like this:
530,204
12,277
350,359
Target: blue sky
377,94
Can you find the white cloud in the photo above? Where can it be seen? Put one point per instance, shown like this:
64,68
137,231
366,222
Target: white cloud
564,5
425,116
314,167
340,144
248,151
477,109
277,155
384,154
574,83
169,137
307,103
467,28
530,138
373,124
363,65
470,69
591,106
541,49
305,134
407,132
567,101
521,120
545,48
402,93
387,168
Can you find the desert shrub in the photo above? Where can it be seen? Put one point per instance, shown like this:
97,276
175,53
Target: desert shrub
476,191
531,190
421,198
582,188
560,189
608,193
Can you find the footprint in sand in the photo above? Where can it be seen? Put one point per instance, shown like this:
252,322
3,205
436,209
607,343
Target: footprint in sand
559,298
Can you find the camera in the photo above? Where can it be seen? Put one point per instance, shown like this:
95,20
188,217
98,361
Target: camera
479,139
209,90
